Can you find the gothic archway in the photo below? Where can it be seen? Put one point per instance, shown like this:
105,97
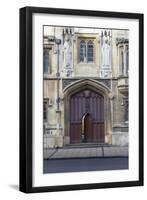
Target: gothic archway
89,98
86,117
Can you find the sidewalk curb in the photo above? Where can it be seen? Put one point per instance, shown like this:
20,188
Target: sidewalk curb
92,152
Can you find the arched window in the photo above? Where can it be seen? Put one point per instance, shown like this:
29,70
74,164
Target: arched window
121,59
82,51
90,49
45,110
124,60
86,50
127,59
47,60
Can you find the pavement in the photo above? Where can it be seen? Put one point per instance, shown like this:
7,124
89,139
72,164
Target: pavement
85,165
86,152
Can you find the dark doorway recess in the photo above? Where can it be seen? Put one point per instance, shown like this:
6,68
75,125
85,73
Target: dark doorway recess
86,117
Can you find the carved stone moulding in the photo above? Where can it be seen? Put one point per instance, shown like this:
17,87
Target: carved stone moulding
123,85
105,82
123,89
121,41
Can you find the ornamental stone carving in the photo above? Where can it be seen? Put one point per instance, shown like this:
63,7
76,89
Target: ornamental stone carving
105,54
105,82
67,48
67,52
121,41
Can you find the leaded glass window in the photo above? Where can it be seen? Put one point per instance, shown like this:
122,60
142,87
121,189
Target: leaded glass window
86,51
127,59
82,51
47,61
121,60
45,110
124,60
90,51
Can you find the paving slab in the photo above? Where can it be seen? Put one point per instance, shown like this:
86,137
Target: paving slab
102,151
115,151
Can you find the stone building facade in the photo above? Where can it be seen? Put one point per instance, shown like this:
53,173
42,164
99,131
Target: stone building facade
85,77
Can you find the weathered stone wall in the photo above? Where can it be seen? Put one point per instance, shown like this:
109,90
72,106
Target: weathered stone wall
54,127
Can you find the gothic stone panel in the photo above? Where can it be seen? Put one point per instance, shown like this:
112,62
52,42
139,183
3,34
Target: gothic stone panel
105,82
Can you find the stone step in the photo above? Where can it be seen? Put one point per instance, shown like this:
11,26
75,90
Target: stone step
112,151
86,145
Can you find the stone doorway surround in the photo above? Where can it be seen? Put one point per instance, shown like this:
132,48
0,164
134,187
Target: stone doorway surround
96,86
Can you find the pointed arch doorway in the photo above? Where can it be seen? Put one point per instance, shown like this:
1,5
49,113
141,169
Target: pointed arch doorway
86,117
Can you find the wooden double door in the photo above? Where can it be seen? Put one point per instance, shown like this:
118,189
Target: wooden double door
87,117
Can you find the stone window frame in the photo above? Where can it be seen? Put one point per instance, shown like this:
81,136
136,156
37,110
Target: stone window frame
48,48
45,101
124,61
127,57
87,39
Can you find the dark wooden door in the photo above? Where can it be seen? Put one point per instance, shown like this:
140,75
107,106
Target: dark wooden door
90,105
88,128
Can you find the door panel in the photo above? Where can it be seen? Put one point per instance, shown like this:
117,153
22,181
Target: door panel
88,132
90,104
75,133
98,132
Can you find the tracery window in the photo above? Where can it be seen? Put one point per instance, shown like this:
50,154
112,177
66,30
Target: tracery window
90,56
86,51
82,51
45,110
47,60
127,58
123,60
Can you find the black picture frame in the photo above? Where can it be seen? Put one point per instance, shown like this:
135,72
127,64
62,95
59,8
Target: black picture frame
26,89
